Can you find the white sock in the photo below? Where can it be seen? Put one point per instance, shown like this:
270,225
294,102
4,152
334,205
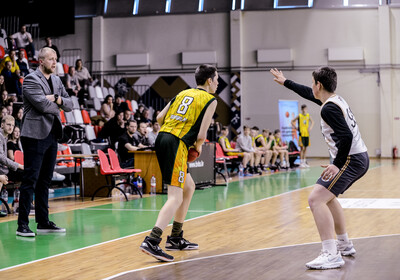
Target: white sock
330,246
343,238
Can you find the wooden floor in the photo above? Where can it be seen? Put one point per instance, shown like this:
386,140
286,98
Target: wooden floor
282,220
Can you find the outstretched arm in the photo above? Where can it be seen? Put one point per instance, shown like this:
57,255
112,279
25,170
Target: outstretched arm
303,91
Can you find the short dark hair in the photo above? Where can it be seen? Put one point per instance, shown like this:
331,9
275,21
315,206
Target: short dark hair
303,106
225,127
327,77
277,131
203,73
244,127
128,122
255,128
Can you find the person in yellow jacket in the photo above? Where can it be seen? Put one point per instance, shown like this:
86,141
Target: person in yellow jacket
304,125
184,123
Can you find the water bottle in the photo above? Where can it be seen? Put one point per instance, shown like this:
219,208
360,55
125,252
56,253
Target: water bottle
153,185
16,200
4,196
241,169
140,183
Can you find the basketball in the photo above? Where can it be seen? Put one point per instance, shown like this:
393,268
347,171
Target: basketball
192,154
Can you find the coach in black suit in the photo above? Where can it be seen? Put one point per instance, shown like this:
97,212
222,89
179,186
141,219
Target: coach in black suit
44,96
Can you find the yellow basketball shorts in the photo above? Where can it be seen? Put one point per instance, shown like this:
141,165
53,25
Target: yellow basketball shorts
172,156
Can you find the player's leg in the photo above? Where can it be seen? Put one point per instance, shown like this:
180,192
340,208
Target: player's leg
329,257
345,246
257,158
176,241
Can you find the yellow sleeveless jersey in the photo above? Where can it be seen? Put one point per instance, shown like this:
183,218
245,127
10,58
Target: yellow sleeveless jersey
227,143
185,114
304,121
258,144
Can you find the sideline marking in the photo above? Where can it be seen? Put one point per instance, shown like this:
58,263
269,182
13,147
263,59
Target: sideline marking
370,203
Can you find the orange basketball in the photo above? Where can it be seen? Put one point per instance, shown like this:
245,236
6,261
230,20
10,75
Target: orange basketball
287,114
192,154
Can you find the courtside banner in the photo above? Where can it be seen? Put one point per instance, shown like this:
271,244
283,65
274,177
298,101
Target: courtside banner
288,110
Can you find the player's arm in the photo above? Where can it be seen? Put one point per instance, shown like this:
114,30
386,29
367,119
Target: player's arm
333,116
311,124
303,91
162,114
205,124
293,122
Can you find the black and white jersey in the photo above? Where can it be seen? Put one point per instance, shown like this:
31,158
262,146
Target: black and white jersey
338,125
357,144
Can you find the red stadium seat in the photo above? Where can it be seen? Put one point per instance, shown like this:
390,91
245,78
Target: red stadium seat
86,117
2,52
66,68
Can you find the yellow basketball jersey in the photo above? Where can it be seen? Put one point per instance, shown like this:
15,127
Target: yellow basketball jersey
304,121
258,144
227,143
186,113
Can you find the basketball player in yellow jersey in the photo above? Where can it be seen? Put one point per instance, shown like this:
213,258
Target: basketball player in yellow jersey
184,123
305,124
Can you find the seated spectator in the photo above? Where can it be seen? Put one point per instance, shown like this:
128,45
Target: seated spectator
71,82
127,115
49,44
119,105
107,108
269,141
245,144
9,107
11,79
213,131
2,84
24,41
14,143
4,99
229,151
145,116
138,113
12,45
128,143
281,149
3,113
3,38
18,114
113,129
83,74
141,136
261,146
152,135
12,58
6,164
22,64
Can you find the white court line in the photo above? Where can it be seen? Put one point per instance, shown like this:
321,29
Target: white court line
234,253
141,210
120,238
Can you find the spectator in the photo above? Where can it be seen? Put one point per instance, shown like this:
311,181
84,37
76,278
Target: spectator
3,38
145,116
128,143
152,135
127,115
4,99
24,41
49,44
245,144
141,136
4,112
155,114
22,64
281,149
119,105
213,131
12,45
229,151
72,83
138,113
11,79
113,129
18,114
82,73
6,164
107,108
12,58
2,84
14,143
9,108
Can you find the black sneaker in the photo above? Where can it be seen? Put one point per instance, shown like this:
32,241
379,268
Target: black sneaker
179,243
3,214
49,228
25,231
150,247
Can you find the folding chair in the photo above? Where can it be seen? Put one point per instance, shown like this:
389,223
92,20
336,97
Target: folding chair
105,169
